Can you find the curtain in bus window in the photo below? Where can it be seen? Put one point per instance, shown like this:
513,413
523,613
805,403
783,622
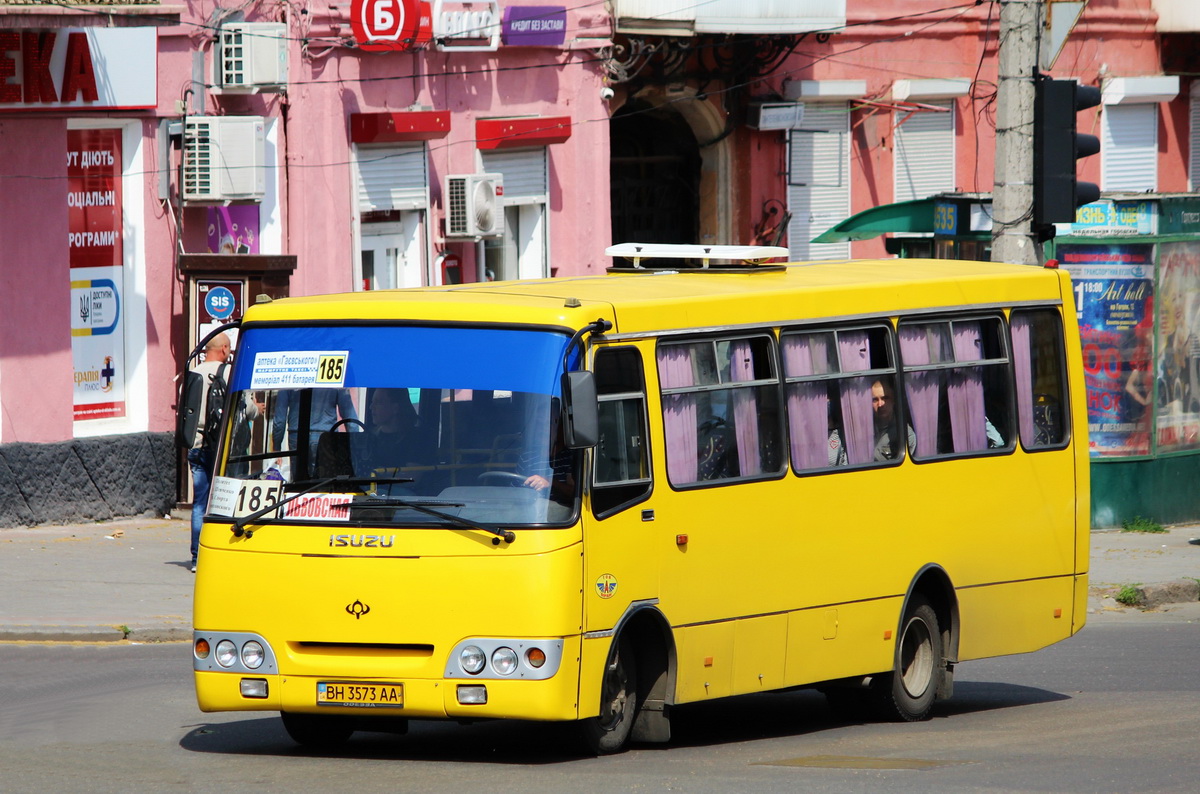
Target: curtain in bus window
965,390
679,413
1023,364
921,388
745,408
854,353
808,403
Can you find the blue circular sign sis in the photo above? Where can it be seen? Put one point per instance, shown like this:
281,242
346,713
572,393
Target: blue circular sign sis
220,303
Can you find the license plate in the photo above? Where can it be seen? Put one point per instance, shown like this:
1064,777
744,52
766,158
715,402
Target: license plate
360,694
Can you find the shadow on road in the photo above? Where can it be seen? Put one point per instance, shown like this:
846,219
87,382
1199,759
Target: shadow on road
728,721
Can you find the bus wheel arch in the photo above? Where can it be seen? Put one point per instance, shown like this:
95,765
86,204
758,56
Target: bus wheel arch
639,684
926,648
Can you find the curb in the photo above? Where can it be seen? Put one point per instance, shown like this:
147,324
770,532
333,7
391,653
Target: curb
94,633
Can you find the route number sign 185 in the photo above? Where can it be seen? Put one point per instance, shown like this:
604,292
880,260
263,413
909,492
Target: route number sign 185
381,25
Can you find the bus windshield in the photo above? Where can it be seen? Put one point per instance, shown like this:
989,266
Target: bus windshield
381,421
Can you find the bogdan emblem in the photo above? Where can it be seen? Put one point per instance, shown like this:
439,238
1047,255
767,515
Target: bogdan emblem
606,585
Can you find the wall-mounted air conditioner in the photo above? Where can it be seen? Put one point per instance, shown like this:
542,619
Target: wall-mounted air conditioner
251,56
224,159
473,205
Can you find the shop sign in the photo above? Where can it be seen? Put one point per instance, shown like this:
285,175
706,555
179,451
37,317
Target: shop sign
1114,289
1110,218
1179,216
92,68
383,25
534,26
466,26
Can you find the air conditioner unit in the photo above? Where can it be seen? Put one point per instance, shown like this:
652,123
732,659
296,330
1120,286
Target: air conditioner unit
224,159
473,205
251,57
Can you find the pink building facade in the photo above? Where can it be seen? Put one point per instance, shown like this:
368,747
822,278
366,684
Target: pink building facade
164,165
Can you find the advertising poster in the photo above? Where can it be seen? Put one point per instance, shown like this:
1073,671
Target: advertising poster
96,253
233,229
1178,365
1114,296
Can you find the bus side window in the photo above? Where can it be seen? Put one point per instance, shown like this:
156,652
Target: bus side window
1039,364
840,387
621,460
957,384
721,412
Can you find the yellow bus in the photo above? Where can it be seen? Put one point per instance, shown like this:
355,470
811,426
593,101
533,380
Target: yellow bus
593,499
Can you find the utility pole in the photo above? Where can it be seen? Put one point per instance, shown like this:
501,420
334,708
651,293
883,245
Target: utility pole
1013,238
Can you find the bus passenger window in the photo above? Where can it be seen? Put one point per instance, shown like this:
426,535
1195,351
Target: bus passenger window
957,379
840,397
621,463
1039,364
720,409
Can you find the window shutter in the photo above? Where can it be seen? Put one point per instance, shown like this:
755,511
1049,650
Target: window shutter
818,181
1194,142
524,170
924,153
392,177
1129,151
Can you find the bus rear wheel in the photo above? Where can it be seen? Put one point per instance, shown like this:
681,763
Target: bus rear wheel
609,731
317,733
908,692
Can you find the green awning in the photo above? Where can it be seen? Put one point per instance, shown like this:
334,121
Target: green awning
903,216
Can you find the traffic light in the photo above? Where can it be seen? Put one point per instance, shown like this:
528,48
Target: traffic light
1056,189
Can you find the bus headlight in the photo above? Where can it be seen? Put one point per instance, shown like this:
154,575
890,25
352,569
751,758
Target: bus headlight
472,659
226,653
253,655
504,661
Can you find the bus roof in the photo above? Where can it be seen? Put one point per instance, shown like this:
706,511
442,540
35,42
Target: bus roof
648,301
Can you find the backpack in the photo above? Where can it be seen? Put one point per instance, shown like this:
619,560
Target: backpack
191,396
213,408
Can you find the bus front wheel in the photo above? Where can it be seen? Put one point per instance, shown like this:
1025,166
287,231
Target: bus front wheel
908,692
609,731
311,731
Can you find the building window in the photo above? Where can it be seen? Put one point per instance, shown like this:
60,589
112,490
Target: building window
1194,140
924,152
393,206
1129,149
818,181
522,251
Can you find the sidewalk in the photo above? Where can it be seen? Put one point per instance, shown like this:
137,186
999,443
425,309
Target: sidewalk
130,579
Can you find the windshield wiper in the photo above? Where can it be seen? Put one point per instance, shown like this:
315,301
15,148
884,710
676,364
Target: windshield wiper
239,524
507,535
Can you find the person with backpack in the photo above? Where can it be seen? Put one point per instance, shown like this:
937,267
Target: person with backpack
213,381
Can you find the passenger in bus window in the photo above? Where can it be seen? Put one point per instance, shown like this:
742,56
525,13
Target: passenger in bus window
883,404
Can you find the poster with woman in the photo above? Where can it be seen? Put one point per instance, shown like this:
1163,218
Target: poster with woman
1115,305
1177,371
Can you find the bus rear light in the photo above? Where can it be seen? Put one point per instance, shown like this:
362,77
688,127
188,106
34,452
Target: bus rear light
473,695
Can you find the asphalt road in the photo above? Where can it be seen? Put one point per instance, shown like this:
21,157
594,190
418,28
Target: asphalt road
1111,710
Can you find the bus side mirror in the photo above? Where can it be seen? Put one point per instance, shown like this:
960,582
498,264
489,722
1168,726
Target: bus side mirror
581,412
